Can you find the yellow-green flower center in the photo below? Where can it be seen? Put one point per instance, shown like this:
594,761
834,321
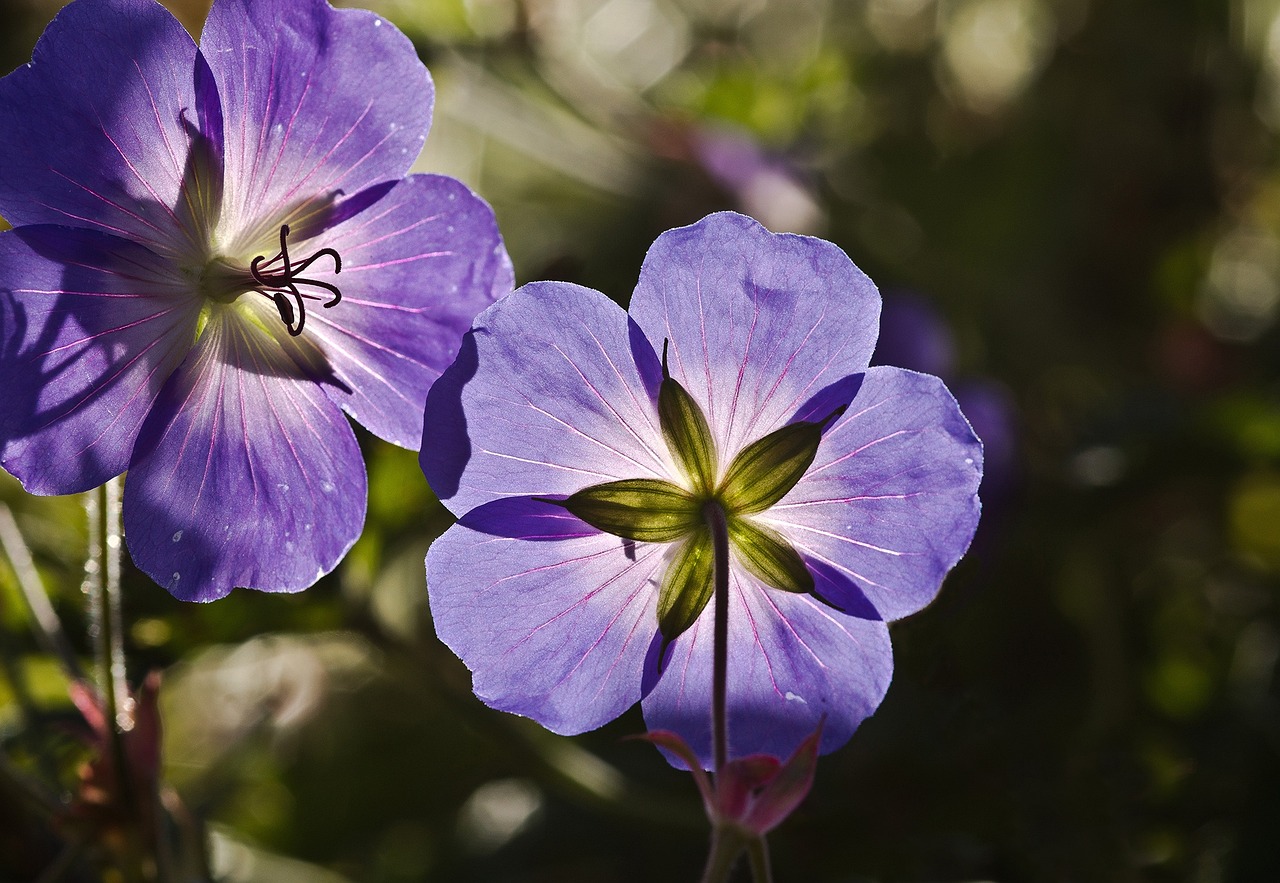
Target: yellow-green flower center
222,280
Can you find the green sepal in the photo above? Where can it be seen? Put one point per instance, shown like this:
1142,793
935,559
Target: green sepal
687,586
685,429
766,469
769,557
645,509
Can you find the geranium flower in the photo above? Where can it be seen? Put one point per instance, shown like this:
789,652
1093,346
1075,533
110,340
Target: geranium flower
215,254
581,446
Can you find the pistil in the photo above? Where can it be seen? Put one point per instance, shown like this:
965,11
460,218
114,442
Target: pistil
279,279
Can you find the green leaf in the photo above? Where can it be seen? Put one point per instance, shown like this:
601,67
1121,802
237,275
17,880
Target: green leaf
687,586
766,469
769,557
645,509
685,429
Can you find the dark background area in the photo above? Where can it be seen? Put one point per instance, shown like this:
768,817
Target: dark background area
1073,210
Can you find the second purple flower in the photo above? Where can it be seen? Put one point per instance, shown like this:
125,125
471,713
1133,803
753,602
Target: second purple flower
583,448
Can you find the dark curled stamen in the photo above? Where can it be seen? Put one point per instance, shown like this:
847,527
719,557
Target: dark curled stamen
281,284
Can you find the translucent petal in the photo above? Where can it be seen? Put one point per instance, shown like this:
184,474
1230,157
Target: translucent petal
553,617
91,327
551,393
317,102
245,474
890,502
758,323
792,660
97,125
420,259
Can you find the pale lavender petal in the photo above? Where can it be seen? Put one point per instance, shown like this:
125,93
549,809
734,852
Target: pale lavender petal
96,126
792,661
91,327
317,102
245,474
553,617
890,503
545,398
418,263
758,323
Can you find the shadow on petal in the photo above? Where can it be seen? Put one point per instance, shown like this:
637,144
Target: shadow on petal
829,399
837,590
646,359
527,518
446,445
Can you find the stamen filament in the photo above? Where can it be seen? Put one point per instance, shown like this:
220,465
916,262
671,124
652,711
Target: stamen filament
280,284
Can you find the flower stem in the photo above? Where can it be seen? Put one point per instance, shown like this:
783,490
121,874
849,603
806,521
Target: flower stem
713,512
726,846
758,855
102,584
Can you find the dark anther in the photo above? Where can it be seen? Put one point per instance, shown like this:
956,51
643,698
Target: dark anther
281,283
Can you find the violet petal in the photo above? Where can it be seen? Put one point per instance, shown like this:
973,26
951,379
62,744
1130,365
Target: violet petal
91,327
758,323
792,660
890,502
553,617
544,399
316,101
98,124
417,265
245,474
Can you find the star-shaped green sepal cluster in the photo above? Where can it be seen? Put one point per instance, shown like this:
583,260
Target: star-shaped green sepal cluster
653,510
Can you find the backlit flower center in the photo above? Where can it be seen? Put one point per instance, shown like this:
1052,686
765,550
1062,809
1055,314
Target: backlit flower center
655,510
277,278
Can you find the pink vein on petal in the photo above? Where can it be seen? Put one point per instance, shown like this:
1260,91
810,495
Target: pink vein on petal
755,636
124,211
795,634
605,401
622,609
155,112
334,149
145,183
858,451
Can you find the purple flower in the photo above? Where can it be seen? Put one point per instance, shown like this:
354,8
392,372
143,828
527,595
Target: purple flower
578,444
216,254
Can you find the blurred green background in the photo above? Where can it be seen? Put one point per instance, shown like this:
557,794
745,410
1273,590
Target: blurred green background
1080,197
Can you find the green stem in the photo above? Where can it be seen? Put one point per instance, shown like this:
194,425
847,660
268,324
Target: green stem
726,846
102,584
714,515
758,855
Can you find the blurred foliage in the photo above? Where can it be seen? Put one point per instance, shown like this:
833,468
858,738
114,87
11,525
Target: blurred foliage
1087,192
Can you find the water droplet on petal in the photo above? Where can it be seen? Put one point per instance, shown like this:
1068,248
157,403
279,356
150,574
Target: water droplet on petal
177,536
792,697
